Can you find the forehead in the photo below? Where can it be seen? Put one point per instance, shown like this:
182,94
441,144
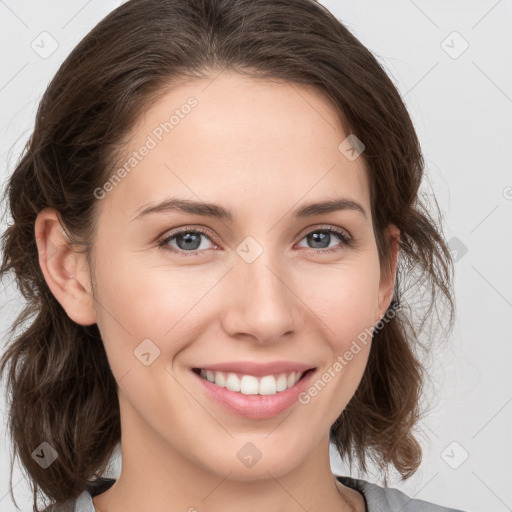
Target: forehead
235,139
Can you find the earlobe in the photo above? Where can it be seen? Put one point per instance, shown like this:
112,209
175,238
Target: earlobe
65,270
387,282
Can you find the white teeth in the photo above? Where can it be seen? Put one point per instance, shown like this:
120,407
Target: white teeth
220,379
250,385
282,382
268,385
233,382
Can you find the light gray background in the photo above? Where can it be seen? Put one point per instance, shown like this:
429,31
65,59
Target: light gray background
461,104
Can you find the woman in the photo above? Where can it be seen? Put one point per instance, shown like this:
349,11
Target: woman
211,225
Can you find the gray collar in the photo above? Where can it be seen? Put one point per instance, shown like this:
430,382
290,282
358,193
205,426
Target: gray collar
377,498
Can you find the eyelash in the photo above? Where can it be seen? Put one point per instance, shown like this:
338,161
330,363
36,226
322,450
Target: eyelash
342,235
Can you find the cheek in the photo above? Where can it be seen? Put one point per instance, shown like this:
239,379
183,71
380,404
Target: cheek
345,302
137,301
343,298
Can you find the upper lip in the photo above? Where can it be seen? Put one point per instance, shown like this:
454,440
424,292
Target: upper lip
258,369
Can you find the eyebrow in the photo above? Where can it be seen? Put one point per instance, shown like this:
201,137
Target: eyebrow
219,212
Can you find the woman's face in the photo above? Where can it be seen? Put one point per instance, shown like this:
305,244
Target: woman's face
260,284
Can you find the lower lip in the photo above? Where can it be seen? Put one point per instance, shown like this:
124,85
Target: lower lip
256,406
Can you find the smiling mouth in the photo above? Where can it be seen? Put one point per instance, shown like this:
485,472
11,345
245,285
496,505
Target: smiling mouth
251,385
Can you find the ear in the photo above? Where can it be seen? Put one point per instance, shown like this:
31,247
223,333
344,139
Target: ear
64,268
388,273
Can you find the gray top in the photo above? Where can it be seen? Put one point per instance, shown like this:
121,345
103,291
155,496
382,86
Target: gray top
377,498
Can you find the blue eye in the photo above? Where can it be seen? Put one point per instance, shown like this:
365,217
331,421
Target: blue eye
321,238
189,241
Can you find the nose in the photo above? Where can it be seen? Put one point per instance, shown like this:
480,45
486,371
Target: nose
261,302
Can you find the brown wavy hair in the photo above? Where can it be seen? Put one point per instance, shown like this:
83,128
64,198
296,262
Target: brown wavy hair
62,390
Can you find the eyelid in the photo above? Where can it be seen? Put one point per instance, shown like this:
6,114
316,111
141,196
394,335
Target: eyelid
343,234
208,232
326,227
182,229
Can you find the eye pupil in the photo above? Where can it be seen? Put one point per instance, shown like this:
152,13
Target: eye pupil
319,237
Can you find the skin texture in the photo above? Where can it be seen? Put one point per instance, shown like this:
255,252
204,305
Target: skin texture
261,149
